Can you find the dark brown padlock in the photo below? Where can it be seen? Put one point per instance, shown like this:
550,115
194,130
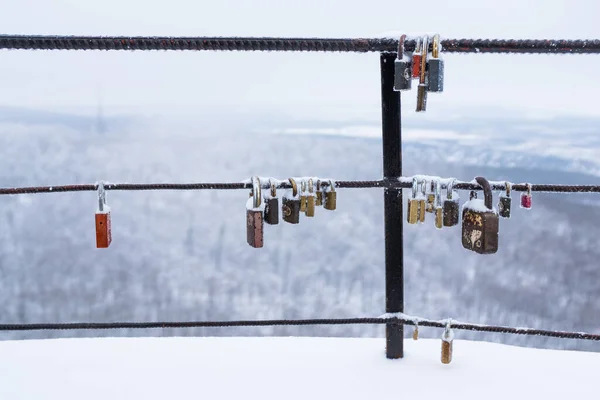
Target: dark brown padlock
330,197
254,216
103,225
480,222
504,202
272,206
451,209
290,207
319,194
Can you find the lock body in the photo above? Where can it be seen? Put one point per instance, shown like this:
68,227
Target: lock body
254,223
403,74
103,230
290,210
525,200
451,212
330,200
435,82
416,64
504,204
272,211
479,228
310,206
446,351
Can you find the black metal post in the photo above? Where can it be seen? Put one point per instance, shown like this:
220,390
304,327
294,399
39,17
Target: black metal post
392,168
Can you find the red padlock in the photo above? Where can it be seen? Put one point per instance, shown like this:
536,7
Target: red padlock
103,227
416,60
526,198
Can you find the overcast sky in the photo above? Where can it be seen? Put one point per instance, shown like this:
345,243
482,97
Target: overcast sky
295,83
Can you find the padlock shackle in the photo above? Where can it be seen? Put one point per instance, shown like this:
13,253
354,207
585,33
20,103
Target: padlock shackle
331,186
273,189
311,188
487,191
294,187
101,196
507,184
438,193
401,46
450,189
436,46
424,59
256,191
415,187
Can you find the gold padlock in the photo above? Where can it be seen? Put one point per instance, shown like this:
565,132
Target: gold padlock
319,200
447,339
330,197
310,200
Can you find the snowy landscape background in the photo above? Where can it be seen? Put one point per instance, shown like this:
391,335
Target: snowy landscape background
182,255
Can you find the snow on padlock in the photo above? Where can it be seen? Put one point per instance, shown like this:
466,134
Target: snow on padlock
103,226
447,339
402,68
526,198
480,222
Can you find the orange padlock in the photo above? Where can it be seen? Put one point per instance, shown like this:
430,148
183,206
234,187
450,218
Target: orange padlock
416,59
103,228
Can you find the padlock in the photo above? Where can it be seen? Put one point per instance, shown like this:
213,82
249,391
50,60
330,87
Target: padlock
416,59
504,202
272,206
290,206
435,68
422,88
430,205
254,216
416,332
319,194
402,68
303,196
439,211
310,200
412,214
447,339
451,211
480,222
103,225
422,197
526,198
330,197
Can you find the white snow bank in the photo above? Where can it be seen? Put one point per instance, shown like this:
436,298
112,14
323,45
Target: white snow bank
286,368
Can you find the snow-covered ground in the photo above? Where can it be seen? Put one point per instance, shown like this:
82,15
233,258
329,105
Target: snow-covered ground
286,368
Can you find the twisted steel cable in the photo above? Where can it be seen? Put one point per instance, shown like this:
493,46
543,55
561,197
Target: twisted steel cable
360,45
384,183
299,322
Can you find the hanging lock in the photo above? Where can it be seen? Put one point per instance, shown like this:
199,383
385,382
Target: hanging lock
422,197
526,198
310,200
272,206
435,69
254,216
416,59
439,211
480,222
303,196
451,212
103,225
422,88
412,214
330,197
319,194
402,68
504,202
430,205
290,207
416,331
447,339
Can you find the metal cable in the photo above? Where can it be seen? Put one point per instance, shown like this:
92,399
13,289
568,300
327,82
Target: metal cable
361,45
298,322
385,183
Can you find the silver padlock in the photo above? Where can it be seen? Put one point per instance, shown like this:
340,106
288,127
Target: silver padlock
436,67
403,68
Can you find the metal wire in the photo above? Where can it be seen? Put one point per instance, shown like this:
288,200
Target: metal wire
298,322
360,45
404,183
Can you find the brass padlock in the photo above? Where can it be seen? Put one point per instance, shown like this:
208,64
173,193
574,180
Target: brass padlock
480,222
416,332
103,224
504,202
402,68
310,200
330,197
319,200
303,196
290,207
435,67
412,214
430,205
451,209
272,206
447,339
439,211
254,216
422,88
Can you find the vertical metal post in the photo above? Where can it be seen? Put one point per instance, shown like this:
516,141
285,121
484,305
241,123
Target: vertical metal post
392,169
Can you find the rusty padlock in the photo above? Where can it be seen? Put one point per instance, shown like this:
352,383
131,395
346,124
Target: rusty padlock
480,222
290,207
103,225
254,216
330,197
447,339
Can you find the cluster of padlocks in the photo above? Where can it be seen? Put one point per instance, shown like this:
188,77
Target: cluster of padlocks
305,196
480,220
427,67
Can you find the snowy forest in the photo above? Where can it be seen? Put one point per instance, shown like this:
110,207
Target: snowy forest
182,255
